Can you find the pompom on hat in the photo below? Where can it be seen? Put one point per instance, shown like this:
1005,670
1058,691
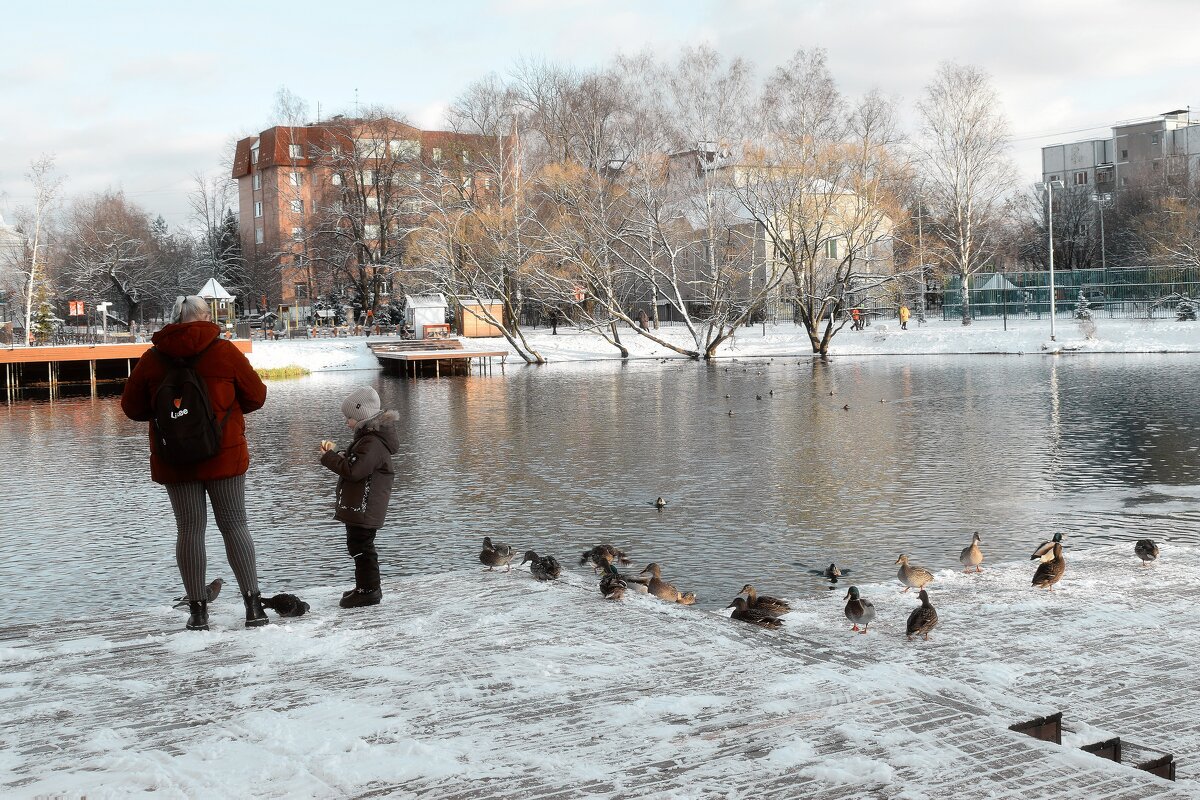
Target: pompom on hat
362,404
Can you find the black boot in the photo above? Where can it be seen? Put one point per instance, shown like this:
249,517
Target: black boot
255,616
198,618
361,597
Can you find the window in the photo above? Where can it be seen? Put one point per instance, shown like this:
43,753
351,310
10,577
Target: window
294,151
336,179
258,235
258,208
297,234
1124,155
369,148
371,232
295,178
254,154
1081,178
466,158
437,154
257,181
372,203
412,207
301,290
405,148
368,177
297,206
1124,181
338,207
1154,139
831,248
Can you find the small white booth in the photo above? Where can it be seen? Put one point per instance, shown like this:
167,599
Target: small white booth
426,311
220,302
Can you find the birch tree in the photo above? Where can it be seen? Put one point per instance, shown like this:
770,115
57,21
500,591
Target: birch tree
968,172
46,187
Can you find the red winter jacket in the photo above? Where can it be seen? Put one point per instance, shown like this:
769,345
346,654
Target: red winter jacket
233,386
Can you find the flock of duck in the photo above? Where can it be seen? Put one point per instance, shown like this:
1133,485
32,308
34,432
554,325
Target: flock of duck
767,612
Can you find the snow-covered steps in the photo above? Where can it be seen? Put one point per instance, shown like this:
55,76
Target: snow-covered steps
474,684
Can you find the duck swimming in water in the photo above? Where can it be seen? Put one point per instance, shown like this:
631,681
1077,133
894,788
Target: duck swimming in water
663,590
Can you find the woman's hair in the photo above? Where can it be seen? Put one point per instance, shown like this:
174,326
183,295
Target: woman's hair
189,309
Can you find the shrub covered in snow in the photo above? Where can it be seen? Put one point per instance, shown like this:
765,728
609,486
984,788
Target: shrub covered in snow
1185,310
1082,311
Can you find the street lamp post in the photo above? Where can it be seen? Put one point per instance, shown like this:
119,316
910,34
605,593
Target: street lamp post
103,309
1048,187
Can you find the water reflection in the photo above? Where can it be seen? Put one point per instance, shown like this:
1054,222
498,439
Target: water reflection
563,457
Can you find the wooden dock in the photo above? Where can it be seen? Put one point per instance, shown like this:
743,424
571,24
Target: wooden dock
413,357
57,367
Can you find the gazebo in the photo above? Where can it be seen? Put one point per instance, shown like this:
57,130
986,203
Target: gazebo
220,302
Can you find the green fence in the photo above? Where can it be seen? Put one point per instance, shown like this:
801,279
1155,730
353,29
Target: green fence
1125,292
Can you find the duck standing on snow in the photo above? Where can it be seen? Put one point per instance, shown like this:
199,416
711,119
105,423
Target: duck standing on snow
663,590
912,577
761,602
972,556
859,610
1051,572
603,554
545,568
612,585
1146,550
1045,550
496,554
743,612
922,619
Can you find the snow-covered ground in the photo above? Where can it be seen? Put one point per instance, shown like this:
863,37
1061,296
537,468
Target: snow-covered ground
1028,336
475,684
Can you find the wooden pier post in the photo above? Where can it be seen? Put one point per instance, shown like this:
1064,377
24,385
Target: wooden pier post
92,375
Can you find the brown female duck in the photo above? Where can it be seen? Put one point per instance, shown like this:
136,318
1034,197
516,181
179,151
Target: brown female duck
762,602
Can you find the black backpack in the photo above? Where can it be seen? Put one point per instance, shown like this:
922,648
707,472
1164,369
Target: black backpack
185,429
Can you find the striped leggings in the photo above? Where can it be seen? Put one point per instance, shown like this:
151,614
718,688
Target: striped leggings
228,497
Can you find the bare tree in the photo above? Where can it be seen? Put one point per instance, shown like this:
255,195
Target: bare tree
46,186
968,172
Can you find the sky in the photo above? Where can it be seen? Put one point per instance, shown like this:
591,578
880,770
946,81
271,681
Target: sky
144,96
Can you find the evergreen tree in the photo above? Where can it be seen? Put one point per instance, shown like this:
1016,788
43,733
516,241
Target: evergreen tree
42,322
1185,310
1082,310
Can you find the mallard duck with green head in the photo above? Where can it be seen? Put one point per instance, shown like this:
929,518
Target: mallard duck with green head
744,612
912,577
1045,550
1051,572
544,568
1146,550
922,619
762,602
859,610
971,555
496,554
612,585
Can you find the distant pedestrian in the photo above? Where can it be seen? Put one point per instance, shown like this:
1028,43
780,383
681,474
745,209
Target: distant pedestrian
644,320
233,390
904,314
856,319
364,487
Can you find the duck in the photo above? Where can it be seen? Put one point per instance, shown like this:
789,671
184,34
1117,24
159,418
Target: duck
923,618
833,573
1045,550
1146,550
663,590
912,577
972,556
762,602
846,407
603,554
1050,572
544,568
496,554
859,610
660,503
743,612
612,585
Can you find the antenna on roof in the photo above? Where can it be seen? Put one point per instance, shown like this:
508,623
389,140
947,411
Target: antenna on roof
356,111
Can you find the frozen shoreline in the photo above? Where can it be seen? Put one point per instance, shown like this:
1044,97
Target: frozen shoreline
476,684
937,337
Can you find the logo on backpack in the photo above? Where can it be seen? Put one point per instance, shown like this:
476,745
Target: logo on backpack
186,430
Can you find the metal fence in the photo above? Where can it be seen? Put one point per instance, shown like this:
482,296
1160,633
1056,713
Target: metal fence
1144,292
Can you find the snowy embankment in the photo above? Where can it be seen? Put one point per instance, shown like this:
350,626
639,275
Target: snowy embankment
476,684
1025,336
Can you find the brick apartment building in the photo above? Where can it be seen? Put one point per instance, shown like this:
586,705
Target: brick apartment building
294,180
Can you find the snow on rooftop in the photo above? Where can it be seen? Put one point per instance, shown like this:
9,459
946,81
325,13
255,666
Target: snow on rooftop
477,684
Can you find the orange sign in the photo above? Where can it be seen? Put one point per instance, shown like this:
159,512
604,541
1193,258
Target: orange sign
578,294
76,308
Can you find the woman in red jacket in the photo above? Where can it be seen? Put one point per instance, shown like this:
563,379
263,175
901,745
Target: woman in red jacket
234,389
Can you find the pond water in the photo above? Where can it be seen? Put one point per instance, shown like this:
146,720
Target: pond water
561,457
